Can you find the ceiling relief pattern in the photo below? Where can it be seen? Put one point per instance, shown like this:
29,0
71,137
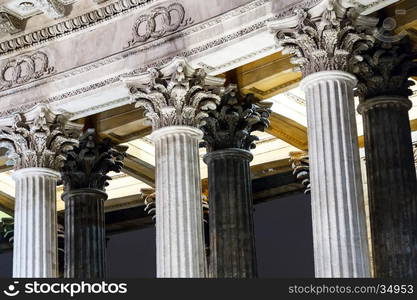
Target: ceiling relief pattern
160,21
23,69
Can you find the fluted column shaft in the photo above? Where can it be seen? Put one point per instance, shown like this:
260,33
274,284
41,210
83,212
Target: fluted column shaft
338,215
179,221
85,237
392,186
232,239
35,232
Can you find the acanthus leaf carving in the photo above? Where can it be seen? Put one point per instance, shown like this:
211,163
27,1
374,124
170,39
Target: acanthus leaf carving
326,43
232,123
176,94
386,68
88,164
39,139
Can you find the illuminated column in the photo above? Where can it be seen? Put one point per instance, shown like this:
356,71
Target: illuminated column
85,178
392,184
325,47
36,143
228,139
176,98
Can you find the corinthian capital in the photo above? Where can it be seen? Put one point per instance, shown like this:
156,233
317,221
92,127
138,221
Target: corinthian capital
386,69
38,138
88,164
231,124
301,168
331,41
176,94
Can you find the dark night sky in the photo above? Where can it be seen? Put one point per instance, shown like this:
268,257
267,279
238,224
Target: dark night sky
283,241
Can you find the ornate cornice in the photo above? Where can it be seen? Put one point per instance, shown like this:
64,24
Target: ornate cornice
231,124
385,70
301,168
88,164
39,138
71,25
176,94
326,43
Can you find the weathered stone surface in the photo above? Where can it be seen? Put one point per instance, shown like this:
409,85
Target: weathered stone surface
392,186
85,235
338,211
179,228
35,229
85,178
232,239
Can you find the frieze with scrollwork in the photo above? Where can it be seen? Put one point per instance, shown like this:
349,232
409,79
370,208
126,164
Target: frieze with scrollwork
159,22
24,69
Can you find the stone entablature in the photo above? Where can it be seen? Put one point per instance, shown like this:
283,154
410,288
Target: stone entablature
90,81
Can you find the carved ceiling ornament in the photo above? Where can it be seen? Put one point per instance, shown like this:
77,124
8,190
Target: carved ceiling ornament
231,124
39,138
176,94
52,8
159,22
88,164
326,43
23,69
385,70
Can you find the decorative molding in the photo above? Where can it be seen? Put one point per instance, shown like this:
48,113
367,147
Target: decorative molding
325,43
168,23
176,94
24,69
141,48
39,139
72,25
52,8
231,124
87,165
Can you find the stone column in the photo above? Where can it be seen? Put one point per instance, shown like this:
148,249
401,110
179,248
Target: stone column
391,173
85,178
36,142
227,137
325,48
176,98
